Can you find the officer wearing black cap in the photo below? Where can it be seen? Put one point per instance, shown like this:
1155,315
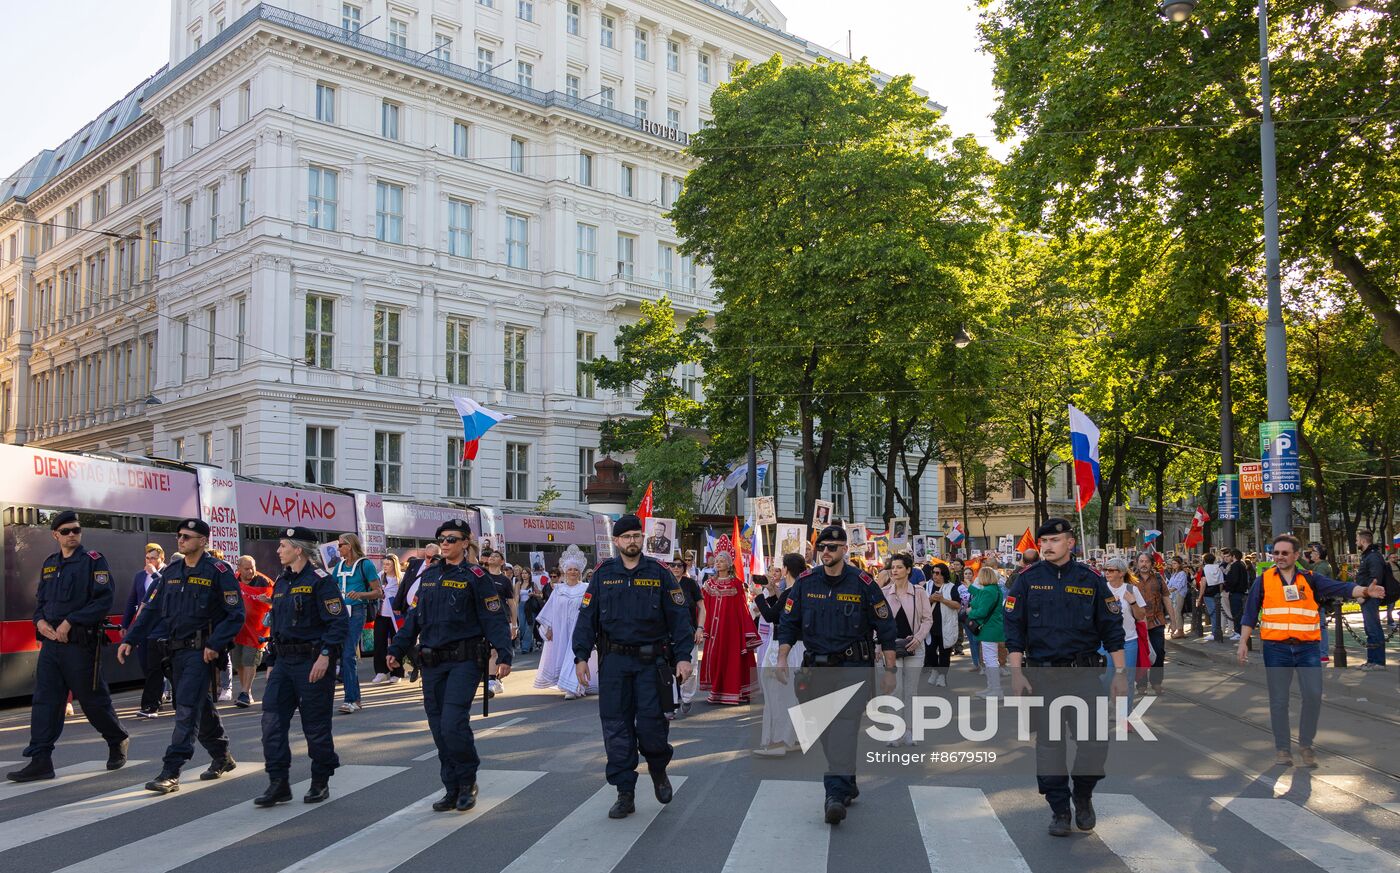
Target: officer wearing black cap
1057,614
74,599
835,610
202,606
458,619
309,627
636,614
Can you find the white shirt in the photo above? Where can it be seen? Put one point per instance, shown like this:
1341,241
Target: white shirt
1214,574
1125,601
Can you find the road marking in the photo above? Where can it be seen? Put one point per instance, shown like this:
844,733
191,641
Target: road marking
476,735
59,820
64,776
1321,842
178,846
391,841
802,841
587,841
1145,842
961,831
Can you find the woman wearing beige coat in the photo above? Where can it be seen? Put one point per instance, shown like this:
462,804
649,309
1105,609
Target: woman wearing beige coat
913,618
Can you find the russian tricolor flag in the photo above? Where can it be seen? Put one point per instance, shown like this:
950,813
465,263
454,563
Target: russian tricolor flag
956,533
476,421
1084,441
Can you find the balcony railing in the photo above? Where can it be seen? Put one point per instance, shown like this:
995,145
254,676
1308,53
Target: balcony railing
622,291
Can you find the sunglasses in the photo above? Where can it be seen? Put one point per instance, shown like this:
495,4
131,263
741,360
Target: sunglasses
828,547
70,531
447,541
187,536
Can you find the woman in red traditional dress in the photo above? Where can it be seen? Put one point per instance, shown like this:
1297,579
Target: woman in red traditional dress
727,670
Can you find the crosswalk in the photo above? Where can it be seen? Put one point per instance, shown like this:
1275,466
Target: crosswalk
959,828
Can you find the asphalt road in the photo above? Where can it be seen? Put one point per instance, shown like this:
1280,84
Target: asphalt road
1202,796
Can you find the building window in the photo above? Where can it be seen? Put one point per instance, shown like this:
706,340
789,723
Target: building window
72,220
188,130
666,264
388,462
213,212
626,256
1018,488
206,447
183,323
517,240
157,167
571,85
398,33
320,330
586,266
979,485
585,169
245,192
320,456
703,66
389,120
459,469
350,19
216,120
241,336
325,103
321,200
641,44
386,341
690,380
571,18
388,212
517,155
442,47
130,187
673,118
517,471
459,228
515,358
485,60
607,97
1069,481
673,56
841,496
626,181
607,31
461,138
639,107
689,274
458,351
245,102
489,4
211,339
585,469
877,497
525,10
235,450
799,488
583,356
525,74
186,224
177,445
950,484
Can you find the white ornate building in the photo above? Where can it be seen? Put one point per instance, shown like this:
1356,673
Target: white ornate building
287,250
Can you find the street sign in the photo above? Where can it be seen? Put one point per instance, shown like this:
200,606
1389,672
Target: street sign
1278,449
1227,496
1252,482
1120,518
1314,531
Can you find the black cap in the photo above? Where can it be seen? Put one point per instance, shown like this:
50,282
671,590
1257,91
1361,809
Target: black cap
67,516
626,524
299,533
832,532
195,525
1054,526
456,525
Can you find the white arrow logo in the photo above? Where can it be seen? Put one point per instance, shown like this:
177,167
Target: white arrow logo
810,719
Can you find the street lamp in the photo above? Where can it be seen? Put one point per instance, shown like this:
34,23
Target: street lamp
1178,10
961,339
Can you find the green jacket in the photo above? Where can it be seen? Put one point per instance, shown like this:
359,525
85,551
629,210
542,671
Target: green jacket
985,607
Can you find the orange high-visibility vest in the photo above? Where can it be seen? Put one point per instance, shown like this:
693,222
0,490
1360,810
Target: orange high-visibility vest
1281,619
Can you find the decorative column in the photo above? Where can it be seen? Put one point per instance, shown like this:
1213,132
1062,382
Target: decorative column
629,62
692,84
660,62
592,34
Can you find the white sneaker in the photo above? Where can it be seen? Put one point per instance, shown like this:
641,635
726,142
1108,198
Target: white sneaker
769,752
987,692
933,678
1234,638
393,680
495,686
942,681
348,708
226,695
1210,638
379,679
68,710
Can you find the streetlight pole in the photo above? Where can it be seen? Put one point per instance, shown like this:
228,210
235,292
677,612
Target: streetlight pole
1227,429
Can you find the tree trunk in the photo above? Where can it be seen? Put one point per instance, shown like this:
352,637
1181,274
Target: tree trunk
1377,301
1159,481
1319,486
1388,514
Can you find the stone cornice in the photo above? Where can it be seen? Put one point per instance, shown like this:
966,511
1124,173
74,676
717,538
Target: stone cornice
110,156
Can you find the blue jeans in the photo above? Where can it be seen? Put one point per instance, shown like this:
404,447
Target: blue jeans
1323,617
527,638
976,645
350,660
1214,612
1130,655
1281,661
1375,634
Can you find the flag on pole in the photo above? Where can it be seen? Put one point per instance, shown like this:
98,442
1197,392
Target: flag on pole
1197,534
644,508
1027,542
738,553
956,534
1151,536
1084,442
757,561
476,421
710,544
1395,541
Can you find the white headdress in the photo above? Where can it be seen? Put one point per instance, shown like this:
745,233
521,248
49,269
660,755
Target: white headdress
574,558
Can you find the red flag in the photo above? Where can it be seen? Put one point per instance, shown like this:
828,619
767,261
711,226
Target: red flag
1027,542
644,508
739,573
469,449
1197,534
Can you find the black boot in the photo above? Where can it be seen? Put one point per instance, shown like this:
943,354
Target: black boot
624,806
116,754
466,798
165,783
1059,823
835,811
662,786
278,791
851,798
1084,817
39,767
217,768
320,790
448,801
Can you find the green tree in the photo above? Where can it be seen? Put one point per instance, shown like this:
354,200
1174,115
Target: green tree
672,466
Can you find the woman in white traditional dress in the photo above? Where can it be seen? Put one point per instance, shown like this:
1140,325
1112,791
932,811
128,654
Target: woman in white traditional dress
556,621
779,737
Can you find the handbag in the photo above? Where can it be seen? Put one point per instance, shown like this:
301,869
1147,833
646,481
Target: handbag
901,648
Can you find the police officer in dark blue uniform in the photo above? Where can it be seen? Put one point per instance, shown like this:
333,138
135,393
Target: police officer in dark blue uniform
202,606
74,599
1057,614
835,610
308,626
636,614
458,620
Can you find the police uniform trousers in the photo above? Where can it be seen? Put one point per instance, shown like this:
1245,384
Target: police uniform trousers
840,739
448,689
289,688
195,715
65,667
629,704
1053,773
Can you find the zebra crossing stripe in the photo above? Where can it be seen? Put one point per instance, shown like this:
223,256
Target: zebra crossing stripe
63,776
59,820
961,831
178,846
1321,842
587,841
476,735
391,841
1145,842
802,841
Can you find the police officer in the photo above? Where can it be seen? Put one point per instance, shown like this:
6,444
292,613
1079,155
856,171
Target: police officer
636,614
74,599
1058,612
835,609
308,628
202,606
458,619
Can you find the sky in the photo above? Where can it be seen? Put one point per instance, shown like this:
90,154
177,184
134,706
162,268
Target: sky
70,59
